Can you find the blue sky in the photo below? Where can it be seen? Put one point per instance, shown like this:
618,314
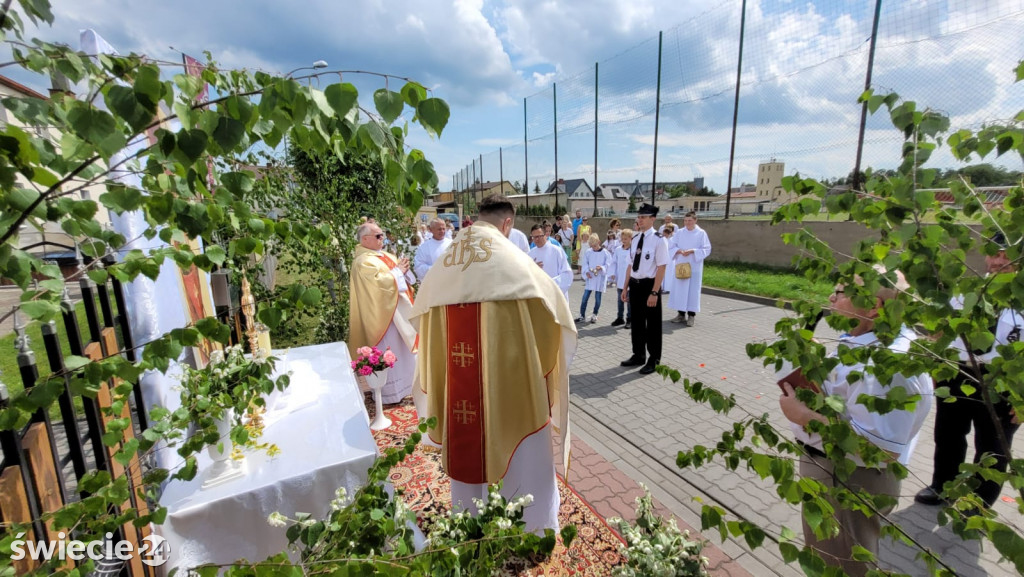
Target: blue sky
803,69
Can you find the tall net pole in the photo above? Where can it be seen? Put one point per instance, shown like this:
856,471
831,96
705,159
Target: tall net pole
657,117
864,107
735,109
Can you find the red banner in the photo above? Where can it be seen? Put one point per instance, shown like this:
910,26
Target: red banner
464,413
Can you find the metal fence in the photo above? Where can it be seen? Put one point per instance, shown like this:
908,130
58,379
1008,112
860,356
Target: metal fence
664,109
41,464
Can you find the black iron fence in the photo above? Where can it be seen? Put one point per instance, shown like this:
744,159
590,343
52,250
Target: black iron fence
44,461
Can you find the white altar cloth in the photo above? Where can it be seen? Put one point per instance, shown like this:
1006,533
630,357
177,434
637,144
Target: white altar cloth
324,445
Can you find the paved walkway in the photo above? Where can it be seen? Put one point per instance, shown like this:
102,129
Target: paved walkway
639,423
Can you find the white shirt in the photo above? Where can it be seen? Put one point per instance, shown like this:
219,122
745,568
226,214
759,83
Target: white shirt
896,431
554,263
519,239
655,253
622,262
428,253
596,279
1009,325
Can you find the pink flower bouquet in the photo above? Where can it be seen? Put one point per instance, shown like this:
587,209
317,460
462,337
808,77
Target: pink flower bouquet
371,359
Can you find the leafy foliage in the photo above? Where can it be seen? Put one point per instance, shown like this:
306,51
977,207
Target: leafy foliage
371,533
933,258
655,546
200,177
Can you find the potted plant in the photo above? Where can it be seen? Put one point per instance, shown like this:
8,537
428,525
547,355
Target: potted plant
216,401
373,365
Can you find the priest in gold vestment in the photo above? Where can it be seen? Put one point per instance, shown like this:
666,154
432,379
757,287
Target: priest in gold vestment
496,342
380,300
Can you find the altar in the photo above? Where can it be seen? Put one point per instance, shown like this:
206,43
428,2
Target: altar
320,425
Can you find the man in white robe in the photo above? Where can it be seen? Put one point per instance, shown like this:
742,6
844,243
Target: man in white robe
497,343
551,258
380,300
519,239
431,249
690,244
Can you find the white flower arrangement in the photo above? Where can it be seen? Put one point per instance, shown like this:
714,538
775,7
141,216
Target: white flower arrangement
655,547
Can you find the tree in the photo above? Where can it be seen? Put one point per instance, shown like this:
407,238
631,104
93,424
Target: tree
196,182
932,257
679,190
536,187
516,186
985,174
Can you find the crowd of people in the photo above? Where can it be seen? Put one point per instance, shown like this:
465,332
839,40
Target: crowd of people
501,394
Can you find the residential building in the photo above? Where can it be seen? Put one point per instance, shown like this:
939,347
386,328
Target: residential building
50,243
482,190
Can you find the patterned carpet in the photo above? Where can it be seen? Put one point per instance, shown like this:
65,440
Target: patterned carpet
593,552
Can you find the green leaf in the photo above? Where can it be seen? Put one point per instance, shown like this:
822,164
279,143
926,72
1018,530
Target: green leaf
229,133
42,311
389,104
216,254
238,182
271,316
413,93
98,276
311,297
433,114
148,87
341,97
191,144
372,135
72,362
122,100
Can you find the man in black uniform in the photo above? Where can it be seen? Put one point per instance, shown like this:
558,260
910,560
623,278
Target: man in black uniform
953,421
649,253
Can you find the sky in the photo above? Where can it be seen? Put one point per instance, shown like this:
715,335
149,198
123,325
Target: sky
803,68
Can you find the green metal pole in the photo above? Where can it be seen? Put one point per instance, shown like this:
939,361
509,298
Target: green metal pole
657,118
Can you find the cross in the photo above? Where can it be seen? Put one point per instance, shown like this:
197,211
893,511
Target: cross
462,355
464,413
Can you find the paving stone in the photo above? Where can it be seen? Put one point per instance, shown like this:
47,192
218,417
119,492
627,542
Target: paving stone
639,424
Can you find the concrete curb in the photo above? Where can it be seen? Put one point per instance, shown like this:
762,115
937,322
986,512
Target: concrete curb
756,299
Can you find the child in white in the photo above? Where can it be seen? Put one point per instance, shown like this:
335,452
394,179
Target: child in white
594,267
620,260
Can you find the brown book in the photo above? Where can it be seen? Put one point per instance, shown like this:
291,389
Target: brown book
796,379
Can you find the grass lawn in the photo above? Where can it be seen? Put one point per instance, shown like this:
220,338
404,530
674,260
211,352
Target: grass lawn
11,374
764,281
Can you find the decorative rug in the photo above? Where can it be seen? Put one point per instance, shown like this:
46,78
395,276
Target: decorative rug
595,551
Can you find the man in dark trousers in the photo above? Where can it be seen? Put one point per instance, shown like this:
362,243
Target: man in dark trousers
649,256
953,421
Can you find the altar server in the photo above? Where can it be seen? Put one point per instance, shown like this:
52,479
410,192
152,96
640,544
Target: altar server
551,258
431,249
689,246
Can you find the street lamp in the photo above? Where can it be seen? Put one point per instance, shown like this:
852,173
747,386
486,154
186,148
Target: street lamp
316,65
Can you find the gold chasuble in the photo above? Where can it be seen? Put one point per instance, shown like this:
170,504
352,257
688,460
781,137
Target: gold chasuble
496,341
375,301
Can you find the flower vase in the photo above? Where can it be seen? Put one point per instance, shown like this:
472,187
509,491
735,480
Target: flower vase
376,382
223,468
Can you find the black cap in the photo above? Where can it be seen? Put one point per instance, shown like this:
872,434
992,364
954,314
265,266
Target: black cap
648,210
999,239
